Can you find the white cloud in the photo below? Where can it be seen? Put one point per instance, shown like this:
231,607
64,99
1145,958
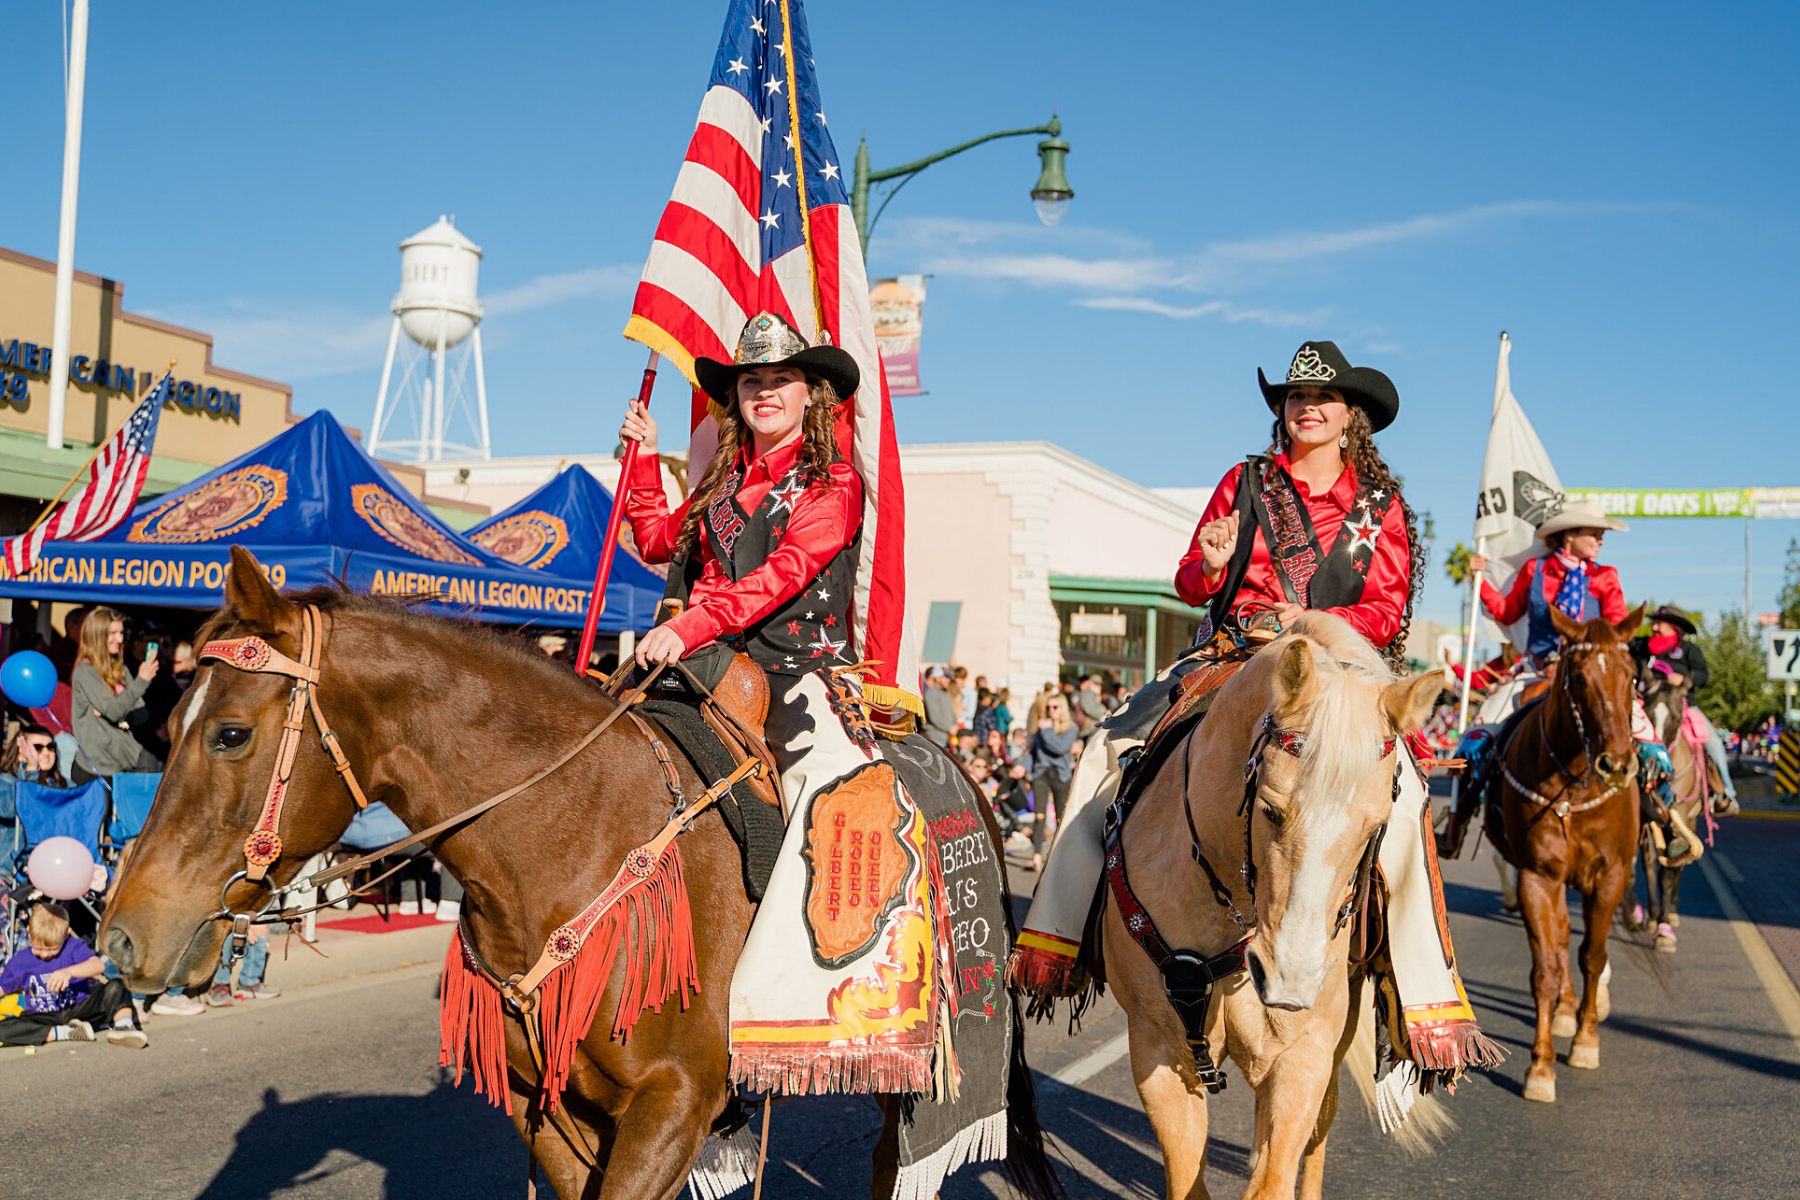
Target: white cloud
1052,270
1220,308
548,290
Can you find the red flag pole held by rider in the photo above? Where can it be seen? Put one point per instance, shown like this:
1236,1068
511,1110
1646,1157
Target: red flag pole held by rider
597,601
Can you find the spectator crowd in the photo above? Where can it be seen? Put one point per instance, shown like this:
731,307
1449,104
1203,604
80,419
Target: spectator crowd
1023,763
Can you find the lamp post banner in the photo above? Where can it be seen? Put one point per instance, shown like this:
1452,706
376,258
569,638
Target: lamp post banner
899,304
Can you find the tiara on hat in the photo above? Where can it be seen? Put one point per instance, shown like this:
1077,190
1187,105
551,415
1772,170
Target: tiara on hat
1308,367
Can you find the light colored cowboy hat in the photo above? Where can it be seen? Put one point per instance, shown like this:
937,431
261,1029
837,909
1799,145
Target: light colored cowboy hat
1579,514
769,341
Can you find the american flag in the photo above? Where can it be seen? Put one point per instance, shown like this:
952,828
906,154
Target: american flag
115,478
760,221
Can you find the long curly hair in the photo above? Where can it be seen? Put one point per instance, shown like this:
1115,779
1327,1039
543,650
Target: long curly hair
1370,468
818,450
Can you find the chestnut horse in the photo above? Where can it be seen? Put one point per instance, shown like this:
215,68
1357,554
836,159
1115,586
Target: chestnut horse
434,715
1288,1019
1565,812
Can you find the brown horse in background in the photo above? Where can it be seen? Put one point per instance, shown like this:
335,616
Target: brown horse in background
434,715
1287,1020
1695,782
1566,814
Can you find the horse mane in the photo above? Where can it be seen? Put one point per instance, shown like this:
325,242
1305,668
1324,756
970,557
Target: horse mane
1346,722
475,637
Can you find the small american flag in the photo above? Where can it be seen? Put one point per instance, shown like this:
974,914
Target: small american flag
760,221
115,478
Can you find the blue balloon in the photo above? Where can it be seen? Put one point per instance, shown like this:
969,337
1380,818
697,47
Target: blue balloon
28,679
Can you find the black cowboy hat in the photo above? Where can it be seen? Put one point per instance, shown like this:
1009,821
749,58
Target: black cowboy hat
1323,365
1675,617
769,341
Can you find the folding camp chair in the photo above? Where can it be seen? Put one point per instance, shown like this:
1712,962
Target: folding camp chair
46,812
132,794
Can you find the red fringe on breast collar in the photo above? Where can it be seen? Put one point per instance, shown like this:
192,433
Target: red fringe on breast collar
654,925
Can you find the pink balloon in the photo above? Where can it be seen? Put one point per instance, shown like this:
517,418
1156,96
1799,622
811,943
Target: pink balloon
61,868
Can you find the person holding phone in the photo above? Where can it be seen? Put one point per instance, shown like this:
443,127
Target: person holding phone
104,699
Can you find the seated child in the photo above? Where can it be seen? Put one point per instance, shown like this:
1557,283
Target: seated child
56,977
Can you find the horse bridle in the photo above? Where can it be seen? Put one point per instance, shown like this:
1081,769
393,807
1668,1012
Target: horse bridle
1562,808
1293,742
262,848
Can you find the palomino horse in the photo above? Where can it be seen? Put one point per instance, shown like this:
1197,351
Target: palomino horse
1565,813
434,715
1287,1020
1695,781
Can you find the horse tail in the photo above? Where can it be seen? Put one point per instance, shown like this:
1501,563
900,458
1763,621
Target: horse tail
1027,1162
1419,1128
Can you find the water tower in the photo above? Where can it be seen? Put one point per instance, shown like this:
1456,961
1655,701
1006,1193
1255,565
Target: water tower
437,310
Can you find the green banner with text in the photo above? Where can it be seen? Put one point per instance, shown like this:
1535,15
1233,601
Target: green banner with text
1692,502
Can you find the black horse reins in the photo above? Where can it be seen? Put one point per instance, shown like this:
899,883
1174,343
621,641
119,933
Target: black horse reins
1562,808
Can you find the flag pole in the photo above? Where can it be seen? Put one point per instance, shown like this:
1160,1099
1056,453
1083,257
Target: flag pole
610,546
82,470
793,95
1474,586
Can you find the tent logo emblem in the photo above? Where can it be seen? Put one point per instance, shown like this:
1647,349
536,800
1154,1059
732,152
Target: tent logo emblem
225,507
402,526
529,539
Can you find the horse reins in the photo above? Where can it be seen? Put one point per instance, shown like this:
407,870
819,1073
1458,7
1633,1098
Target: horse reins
1188,977
1562,808
263,846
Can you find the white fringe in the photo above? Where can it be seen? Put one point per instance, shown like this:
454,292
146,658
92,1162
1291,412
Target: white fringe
1395,1095
724,1166
984,1141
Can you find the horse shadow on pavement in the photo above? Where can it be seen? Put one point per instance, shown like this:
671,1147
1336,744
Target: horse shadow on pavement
417,1141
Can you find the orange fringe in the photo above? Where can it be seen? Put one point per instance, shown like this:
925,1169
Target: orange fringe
655,926
470,1019
653,923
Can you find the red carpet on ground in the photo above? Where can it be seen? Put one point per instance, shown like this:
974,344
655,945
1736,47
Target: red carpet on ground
374,923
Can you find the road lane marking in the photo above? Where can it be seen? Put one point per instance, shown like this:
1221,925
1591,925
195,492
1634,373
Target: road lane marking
1091,1064
1769,971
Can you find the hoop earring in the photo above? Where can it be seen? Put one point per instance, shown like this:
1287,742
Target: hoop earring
1343,441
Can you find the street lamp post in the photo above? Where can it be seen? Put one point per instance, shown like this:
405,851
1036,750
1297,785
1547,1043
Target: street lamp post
1051,194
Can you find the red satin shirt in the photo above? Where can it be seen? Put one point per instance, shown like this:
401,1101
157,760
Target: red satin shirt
1603,583
1376,616
823,522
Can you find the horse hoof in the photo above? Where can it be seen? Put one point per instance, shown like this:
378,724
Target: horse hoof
1586,1058
1665,939
1509,906
1562,1025
1638,920
1541,1088
1674,920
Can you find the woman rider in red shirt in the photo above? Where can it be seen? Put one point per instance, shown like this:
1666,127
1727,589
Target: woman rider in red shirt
772,526
1345,539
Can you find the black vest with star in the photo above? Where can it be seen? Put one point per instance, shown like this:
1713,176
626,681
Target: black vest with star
1309,576
810,630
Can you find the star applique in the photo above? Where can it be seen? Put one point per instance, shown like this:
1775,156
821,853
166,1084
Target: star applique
809,616
1363,533
794,628
831,620
823,645
824,595
786,493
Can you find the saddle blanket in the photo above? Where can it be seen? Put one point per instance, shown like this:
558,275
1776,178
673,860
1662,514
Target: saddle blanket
877,962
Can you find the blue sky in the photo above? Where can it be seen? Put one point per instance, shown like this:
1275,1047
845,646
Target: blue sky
1612,184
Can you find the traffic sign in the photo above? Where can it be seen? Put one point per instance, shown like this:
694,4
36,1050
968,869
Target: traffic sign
1787,764
1783,646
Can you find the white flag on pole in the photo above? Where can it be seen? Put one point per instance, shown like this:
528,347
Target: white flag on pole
1519,491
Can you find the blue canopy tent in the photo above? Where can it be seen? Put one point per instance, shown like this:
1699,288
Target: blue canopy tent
559,528
313,506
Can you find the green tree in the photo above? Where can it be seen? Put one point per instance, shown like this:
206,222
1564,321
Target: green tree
1456,564
1737,695
1788,598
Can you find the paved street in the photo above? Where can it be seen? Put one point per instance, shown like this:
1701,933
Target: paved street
333,1091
